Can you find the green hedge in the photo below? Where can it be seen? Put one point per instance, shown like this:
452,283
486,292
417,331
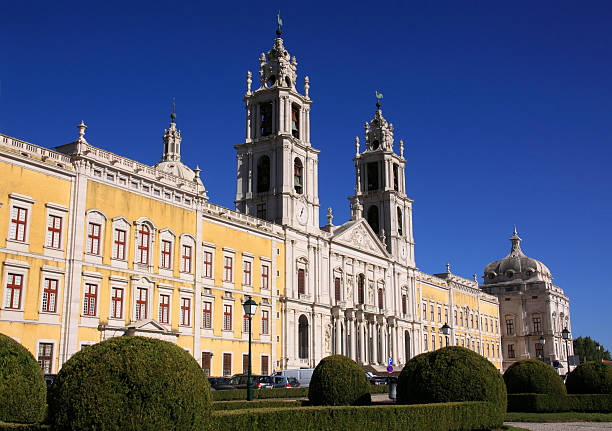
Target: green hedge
530,376
379,389
23,427
543,403
590,378
259,404
339,381
240,394
425,417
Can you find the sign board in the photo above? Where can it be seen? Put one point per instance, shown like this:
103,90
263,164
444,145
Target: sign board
390,361
390,368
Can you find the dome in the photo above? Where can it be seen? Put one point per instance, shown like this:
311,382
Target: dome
178,169
516,266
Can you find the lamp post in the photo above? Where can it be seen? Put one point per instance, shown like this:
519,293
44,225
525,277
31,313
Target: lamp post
250,307
446,331
542,342
566,334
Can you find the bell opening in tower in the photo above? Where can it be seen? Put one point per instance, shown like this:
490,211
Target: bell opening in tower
297,175
373,218
395,179
263,174
399,222
265,110
372,173
295,121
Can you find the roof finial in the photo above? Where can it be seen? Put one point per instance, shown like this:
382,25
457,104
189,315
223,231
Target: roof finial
515,233
475,277
173,115
306,86
82,128
448,268
356,145
401,148
516,243
379,97
280,24
330,217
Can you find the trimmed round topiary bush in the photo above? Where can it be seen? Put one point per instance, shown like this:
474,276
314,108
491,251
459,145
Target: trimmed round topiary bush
590,378
338,381
530,376
130,383
452,374
23,391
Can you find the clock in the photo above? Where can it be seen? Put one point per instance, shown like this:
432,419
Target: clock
301,212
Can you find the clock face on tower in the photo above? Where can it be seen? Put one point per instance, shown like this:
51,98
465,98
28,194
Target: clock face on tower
301,212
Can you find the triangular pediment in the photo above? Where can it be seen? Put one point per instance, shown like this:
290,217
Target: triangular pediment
147,325
359,235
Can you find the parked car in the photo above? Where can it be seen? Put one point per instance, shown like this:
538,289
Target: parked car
239,381
302,375
285,382
220,383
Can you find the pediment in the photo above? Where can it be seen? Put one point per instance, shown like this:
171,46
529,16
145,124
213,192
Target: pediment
147,325
359,235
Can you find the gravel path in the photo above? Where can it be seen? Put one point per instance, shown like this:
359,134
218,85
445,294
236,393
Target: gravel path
568,426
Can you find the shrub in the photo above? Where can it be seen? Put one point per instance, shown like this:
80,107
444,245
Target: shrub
130,383
255,404
338,381
531,376
545,403
23,391
590,378
240,394
452,374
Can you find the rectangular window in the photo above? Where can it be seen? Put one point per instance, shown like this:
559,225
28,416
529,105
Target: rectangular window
227,364
265,322
246,273
164,309
93,238
19,217
265,110
510,326
372,176
537,324
228,269
510,351
424,311
455,311
54,231
186,259
301,284
143,245
264,365
119,242
185,312
14,289
141,303
207,315
45,357
433,341
439,314
90,299
116,303
472,321
245,363
227,317
337,288
395,178
403,304
476,320
208,264
431,313
426,342
206,357
486,324
446,315
380,299
49,298
461,317
265,277
245,323
261,211
295,121
166,253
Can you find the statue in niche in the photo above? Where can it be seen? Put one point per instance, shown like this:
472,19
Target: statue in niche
349,287
371,292
328,334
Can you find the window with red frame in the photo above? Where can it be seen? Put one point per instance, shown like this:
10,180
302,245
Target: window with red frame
90,299
264,365
245,323
265,277
380,299
186,258
166,253
227,364
142,295
164,309
404,304
206,359
116,303
93,238
245,363
301,282
19,218
207,315
49,298
228,268
455,312
227,317
431,313
54,231
119,243
265,322
143,244
424,311
208,264
185,312
246,273
337,288
45,357
14,289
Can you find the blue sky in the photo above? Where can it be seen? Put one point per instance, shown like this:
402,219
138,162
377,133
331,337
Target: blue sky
505,109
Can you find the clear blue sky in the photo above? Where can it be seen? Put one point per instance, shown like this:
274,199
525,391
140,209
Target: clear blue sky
505,109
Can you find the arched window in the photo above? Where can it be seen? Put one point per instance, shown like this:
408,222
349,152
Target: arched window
295,121
298,170
303,337
265,110
373,218
360,288
263,174
400,228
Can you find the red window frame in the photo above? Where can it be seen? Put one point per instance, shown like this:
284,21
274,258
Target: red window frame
337,288
120,241
186,258
55,231
265,322
227,364
207,315
246,272
164,309
404,304
228,263
301,282
227,317
90,299
265,365
45,357
166,253
245,323
49,298
424,311
15,291
380,299
143,245
20,222
265,277
185,312
206,360
141,303
93,234
116,303
208,264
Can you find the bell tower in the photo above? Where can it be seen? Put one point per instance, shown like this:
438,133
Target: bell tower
277,173
380,188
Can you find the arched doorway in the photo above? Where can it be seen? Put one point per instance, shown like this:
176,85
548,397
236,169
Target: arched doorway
303,337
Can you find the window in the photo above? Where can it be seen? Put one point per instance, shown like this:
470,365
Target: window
461,317
361,288
207,315
476,321
404,304
208,264
424,311
439,314
245,323
298,175
227,269
49,298
380,299
227,364
489,350
265,277
166,254
431,313
119,242
295,121
164,309
301,282
45,357
186,258
446,315
185,312
455,312
537,323
264,365
373,219
93,238
265,110
227,317
372,174
426,342
303,329
54,231
90,299
511,353
395,179
143,245
263,175
265,322
246,272
17,230
539,350
399,222
14,289
245,363
509,326
206,359
141,303
433,341
116,303
472,321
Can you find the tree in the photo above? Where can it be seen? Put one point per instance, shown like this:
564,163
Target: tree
589,350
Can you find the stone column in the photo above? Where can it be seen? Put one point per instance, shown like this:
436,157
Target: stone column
363,341
394,341
338,336
375,343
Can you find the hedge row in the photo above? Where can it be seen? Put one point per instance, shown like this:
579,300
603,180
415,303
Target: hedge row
424,417
542,403
379,389
23,427
240,394
259,404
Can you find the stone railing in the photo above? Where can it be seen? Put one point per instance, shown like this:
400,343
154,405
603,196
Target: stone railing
29,150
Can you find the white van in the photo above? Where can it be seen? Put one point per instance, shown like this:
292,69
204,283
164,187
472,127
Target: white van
303,375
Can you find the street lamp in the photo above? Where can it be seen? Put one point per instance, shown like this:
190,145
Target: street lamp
542,342
566,334
446,331
250,307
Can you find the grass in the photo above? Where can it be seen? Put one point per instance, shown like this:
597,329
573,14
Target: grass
558,417
509,428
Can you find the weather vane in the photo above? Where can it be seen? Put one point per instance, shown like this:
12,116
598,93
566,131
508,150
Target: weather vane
173,115
379,97
280,24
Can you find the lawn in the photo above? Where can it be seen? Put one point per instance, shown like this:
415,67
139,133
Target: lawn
558,417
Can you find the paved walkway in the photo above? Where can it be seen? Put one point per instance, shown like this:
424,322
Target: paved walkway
568,426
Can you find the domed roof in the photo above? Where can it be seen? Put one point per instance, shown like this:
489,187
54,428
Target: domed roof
516,266
178,169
